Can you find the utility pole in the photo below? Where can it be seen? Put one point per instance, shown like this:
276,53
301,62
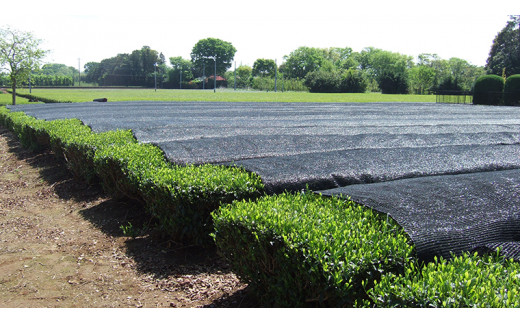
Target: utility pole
155,76
79,71
215,80
275,73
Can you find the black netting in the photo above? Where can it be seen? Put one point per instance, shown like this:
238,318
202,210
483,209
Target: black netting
444,214
404,147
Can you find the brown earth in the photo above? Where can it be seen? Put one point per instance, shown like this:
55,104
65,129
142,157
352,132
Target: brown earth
61,245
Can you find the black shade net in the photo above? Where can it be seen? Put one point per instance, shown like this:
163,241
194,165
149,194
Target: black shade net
332,145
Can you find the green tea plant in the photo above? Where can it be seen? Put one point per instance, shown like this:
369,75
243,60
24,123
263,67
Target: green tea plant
468,280
304,249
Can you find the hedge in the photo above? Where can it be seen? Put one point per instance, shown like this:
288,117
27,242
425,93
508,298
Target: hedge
307,250
469,280
180,198
512,90
488,90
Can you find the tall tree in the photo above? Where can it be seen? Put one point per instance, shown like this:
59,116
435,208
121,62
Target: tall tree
179,65
264,67
204,52
303,61
19,54
505,51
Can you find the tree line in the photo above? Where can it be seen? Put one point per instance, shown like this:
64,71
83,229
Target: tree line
306,68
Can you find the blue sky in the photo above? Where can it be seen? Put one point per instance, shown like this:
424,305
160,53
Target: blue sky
94,30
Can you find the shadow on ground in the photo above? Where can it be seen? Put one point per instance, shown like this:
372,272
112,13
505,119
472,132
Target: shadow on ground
153,254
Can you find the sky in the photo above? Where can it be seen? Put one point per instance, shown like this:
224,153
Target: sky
77,32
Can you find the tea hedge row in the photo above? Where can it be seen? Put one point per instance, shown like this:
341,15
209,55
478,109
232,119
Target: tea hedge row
307,250
180,198
468,280
301,249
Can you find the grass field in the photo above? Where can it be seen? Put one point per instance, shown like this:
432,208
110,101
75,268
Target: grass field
85,95
6,99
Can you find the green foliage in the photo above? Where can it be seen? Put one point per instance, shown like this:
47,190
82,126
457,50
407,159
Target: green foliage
19,54
303,249
135,69
465,281
179,65
264,68
488,90
354,81
505,50
303,61
211,47
181,198
322,81
512,90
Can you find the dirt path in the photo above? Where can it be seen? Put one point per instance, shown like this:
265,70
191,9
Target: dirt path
61,246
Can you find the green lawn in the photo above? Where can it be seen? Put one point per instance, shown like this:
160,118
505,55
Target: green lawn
227,95
6,99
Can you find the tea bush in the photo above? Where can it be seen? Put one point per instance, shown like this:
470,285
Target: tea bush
469,280
304,249
488,90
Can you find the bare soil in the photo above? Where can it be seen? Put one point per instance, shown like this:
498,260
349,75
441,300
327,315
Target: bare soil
61,245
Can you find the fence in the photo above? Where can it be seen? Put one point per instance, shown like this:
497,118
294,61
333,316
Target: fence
458,97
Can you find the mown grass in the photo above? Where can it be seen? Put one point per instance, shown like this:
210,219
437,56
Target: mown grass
222,95
6,99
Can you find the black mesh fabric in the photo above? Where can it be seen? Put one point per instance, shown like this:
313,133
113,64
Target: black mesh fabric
447,173
451,213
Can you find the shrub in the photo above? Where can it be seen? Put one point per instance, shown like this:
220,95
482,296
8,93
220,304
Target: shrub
465,281
304,249
354,81
488,90
323,81
512,90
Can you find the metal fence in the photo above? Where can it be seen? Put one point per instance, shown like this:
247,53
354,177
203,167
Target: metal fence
458,97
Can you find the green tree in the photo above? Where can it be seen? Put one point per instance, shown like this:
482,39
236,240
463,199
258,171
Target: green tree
390,70
422,79
212,47
505,50
19,54
264,68
179,65
303,61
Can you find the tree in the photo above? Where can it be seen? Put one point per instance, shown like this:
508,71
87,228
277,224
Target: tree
505,51
303,61
264,67
19,54
390,70
204,51
179,65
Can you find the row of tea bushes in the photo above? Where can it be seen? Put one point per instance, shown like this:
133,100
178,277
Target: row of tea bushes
181,198
308,250
304,249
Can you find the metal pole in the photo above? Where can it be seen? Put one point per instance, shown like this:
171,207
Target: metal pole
155,76
204,75
79,71
215,80
30,86
235,77
180,79
275,74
